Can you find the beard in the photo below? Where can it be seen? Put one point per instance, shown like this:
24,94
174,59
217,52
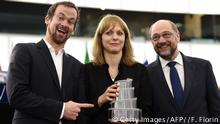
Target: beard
57,38
168,54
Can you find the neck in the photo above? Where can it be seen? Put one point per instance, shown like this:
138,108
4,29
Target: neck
56,47
174,55
113,60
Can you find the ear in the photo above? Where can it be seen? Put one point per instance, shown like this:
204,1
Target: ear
46,20
178,36
73,32
74,29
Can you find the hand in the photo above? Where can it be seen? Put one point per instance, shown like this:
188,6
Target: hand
109,95
72,109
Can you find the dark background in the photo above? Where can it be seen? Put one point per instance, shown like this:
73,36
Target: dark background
28,18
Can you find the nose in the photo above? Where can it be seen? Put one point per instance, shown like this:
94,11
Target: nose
65,23
115,36
162,40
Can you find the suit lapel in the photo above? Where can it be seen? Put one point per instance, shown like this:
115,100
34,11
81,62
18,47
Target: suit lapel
188,70
66,69
48,59
162,83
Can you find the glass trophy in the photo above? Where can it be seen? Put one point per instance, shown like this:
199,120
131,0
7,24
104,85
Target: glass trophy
124,108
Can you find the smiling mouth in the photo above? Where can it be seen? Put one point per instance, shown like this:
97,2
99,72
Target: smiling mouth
61,31
163,47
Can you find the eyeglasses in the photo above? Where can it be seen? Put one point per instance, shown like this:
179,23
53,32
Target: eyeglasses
165,35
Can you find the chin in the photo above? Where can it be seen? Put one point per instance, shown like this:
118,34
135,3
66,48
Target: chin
114,52
165,54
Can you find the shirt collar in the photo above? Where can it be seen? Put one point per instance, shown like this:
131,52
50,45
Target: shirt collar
178,59
51,49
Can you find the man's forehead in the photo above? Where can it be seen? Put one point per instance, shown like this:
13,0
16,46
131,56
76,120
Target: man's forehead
62,8
67,11
161,26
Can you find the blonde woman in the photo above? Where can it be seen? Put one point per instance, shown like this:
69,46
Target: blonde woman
113,60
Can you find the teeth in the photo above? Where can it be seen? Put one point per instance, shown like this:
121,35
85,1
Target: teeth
164,46
62,31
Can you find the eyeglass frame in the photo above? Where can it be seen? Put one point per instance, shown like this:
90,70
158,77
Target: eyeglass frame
165,34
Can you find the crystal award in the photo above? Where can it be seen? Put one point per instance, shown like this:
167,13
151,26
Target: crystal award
124,108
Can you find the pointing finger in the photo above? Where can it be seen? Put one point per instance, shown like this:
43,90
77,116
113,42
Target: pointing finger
85,105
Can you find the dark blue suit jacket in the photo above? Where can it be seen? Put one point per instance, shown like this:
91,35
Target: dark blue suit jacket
33,87
201,95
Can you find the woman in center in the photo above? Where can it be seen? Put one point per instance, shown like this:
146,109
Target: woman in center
113,60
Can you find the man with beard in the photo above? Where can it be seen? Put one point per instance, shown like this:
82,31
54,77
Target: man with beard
183,89
43,81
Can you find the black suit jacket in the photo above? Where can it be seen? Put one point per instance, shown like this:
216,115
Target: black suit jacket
201,97
33,87
97,81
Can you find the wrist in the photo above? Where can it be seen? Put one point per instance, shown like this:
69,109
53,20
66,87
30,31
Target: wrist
100,101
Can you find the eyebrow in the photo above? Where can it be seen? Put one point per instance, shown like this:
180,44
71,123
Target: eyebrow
163,32
61,13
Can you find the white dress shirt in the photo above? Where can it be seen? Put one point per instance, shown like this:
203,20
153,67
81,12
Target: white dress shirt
179,67
58,62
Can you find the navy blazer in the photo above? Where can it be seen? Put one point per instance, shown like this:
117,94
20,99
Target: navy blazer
201,95
33,87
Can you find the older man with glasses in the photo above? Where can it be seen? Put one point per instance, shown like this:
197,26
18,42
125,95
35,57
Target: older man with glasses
183,89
